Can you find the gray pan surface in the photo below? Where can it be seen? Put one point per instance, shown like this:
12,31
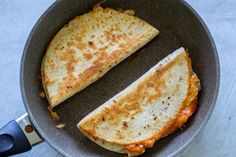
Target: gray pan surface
179,26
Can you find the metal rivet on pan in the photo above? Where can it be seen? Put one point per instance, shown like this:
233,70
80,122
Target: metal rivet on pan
29,128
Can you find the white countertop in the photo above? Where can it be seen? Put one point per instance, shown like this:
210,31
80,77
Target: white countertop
218,139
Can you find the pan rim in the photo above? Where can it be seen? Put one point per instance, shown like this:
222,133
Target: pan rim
185,145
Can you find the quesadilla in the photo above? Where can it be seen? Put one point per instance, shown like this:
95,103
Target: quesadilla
88,47
152,107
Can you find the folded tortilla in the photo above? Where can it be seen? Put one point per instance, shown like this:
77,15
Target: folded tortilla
150,108
88,47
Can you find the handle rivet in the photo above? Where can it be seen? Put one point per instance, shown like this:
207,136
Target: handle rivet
29,128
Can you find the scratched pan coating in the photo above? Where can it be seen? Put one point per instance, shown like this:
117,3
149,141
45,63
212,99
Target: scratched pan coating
179,25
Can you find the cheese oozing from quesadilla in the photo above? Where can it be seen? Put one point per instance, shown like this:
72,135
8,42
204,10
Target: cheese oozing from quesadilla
152,107
88,47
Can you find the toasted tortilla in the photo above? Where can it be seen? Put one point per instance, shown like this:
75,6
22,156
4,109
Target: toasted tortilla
88,47
150,108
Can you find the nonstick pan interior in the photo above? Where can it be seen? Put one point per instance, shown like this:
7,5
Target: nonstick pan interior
178,25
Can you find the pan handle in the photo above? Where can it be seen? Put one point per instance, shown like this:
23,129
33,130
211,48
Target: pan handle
18,136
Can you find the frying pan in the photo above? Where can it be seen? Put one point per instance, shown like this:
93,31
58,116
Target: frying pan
179,25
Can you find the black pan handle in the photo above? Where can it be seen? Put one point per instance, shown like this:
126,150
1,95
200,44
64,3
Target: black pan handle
18,136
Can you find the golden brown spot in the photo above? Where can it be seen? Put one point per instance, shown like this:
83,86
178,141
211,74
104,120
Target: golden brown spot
68,55
70,44
123,46
52,65
170,74
111,44
46,79
112,35
117,27
71,59
133,104
90,133
116,53
79,43
70,66
134,149
148,143
87,56
67,84
130,33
